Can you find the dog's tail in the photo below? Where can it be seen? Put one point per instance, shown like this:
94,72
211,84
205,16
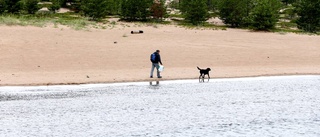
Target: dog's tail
199,68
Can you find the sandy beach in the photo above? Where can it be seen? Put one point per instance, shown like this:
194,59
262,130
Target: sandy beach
47,56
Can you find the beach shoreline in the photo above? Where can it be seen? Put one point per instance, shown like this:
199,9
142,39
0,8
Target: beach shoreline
265,106
33,56
153,80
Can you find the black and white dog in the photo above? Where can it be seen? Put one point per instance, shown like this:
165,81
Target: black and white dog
203,73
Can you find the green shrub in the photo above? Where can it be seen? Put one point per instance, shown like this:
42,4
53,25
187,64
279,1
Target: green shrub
195,11
265,14
31,6
54,6
309,15
159,10
235,12
174,4
13,6
136,9
290,13
3,6
95,9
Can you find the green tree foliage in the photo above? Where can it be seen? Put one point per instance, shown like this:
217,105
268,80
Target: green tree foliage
3,6
174,4
159,10
13,6
55,5
194,11
309,15
75,5
31,6
265,14
213,4
115,7
136,9
63,3
95,9
286,2
235,12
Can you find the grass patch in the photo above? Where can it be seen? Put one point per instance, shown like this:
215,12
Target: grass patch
204,25
42,19
287,25
176,16
285,31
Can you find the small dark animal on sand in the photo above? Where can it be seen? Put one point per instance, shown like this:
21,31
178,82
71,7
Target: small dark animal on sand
203,73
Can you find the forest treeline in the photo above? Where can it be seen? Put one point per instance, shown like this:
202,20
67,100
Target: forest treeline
254,14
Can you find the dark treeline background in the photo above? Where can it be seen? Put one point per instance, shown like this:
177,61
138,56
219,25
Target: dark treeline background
254,14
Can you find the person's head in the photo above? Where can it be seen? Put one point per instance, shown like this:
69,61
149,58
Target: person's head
158,51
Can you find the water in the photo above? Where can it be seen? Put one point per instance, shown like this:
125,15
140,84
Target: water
265,106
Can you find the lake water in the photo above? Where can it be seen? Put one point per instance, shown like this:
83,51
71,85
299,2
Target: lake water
263,106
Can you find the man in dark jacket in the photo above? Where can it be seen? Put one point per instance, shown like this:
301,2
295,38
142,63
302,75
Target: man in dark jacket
155,59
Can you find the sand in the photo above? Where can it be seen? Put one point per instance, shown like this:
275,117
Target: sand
46,56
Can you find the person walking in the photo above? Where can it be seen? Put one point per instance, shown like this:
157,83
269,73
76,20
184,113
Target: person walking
155,60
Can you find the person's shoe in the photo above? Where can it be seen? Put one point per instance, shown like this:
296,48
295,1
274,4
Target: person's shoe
159,77
151,76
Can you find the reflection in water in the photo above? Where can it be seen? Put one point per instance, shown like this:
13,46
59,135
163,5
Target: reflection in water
157,83
202,79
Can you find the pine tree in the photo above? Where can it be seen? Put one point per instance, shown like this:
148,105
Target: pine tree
3,6
13,6
136,9
309,15
55,5
235,12
95,9
31,6
195,11
159,10
265,14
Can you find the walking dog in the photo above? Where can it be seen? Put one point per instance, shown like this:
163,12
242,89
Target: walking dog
203,73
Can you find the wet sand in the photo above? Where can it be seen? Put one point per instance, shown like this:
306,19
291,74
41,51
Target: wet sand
49,56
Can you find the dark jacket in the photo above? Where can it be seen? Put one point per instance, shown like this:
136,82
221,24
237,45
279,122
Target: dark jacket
158,58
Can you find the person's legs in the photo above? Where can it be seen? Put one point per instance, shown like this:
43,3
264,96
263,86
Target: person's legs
158,72
155,65
152,69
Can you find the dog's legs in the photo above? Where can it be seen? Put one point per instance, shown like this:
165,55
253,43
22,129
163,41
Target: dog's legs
208,77
201,78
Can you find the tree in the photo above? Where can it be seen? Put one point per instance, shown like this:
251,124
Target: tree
63,3
174,4
95,9
13,6
212,4
3,6
55,5
286,2
235,12
159,10
265,14
136,9
195,11
75,5
31,6
115,7
309,15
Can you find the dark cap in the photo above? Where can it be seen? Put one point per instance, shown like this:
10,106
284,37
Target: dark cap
157,50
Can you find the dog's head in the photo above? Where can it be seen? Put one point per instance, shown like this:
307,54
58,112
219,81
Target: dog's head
208,69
